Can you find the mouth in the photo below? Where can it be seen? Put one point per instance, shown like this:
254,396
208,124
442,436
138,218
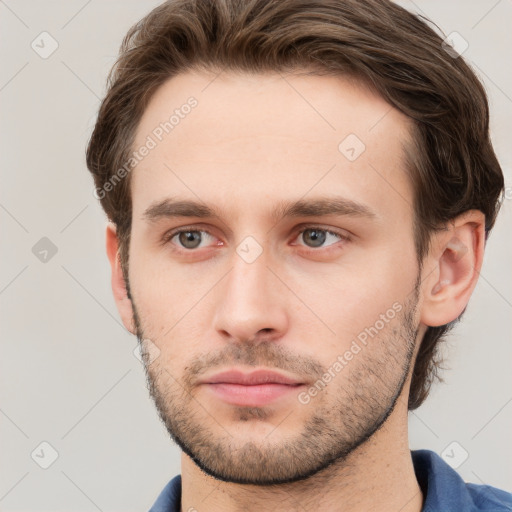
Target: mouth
253,389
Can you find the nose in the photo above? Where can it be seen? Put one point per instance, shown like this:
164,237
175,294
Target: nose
250,303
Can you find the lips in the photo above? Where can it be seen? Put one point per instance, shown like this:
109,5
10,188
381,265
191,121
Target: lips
255,378
255,389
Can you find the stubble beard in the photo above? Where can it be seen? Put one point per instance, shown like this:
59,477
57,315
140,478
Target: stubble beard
337,425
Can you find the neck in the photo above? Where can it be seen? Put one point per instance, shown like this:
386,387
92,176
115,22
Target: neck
376,476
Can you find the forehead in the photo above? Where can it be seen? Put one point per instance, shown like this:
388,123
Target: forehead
259,138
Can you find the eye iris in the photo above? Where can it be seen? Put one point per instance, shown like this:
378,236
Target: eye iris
315,236
190,239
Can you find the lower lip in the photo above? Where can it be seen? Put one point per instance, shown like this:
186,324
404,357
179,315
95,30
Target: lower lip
251,396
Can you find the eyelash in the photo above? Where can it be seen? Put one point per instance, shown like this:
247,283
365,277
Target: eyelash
166,239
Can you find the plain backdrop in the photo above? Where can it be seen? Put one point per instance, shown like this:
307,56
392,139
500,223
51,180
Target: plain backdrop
69,376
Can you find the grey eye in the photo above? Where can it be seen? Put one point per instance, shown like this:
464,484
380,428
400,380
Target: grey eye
190,239
314,237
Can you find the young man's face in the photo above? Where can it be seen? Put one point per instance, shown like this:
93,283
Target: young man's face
328,299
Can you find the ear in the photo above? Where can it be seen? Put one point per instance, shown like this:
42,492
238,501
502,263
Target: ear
123,303
452,268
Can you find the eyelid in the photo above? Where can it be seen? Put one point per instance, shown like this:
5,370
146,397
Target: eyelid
342,233
169,235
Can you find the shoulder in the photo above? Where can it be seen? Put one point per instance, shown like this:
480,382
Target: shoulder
443,488
489,498
169,499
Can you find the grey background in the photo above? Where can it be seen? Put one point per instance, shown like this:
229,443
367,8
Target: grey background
68,373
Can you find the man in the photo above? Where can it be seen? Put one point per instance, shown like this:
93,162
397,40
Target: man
299,195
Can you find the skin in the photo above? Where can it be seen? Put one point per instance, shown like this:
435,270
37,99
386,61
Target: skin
252,142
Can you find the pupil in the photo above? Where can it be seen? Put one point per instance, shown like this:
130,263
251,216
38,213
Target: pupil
316,237
190,239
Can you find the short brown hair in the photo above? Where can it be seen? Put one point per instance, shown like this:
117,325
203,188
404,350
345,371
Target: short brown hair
453,167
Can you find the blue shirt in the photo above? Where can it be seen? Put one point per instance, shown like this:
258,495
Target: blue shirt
442,487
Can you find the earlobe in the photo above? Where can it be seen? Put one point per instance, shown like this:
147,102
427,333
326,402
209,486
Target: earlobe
123,302
456,259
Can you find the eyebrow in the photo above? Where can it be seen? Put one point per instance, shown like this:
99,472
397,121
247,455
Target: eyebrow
327,205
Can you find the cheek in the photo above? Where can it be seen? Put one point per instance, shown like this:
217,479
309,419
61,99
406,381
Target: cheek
170,305
160,289
352,298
